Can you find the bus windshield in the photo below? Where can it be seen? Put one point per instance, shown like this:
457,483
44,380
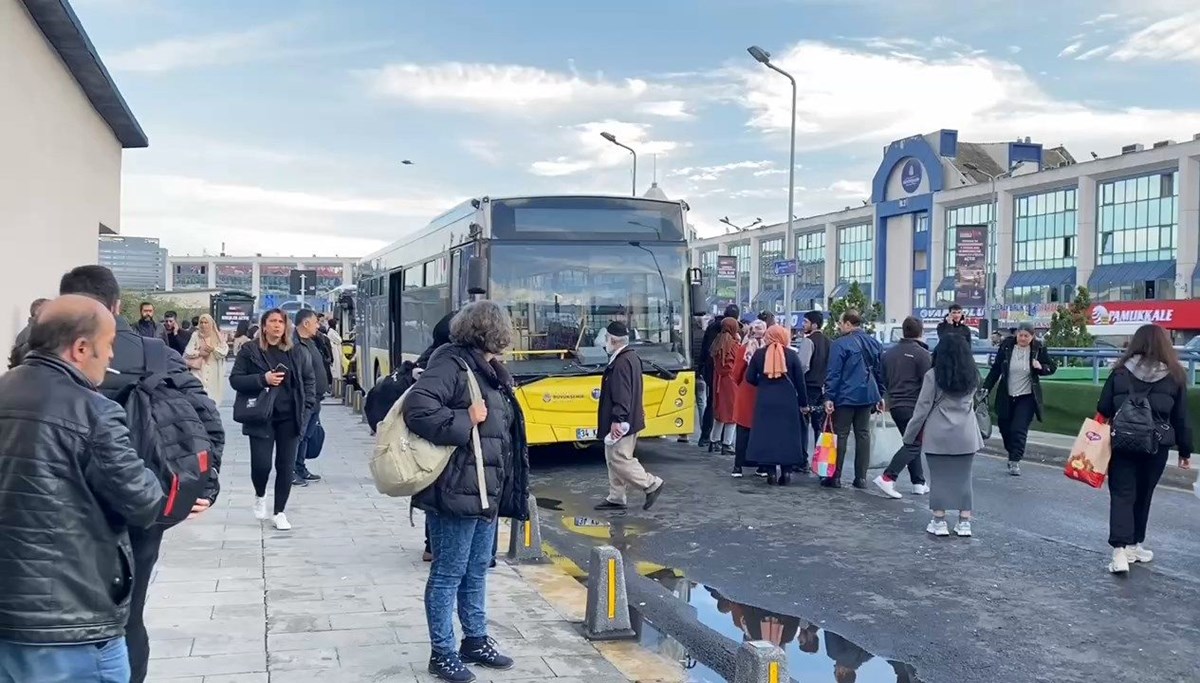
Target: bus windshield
563,296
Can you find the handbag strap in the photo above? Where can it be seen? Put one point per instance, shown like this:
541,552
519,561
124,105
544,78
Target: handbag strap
477,397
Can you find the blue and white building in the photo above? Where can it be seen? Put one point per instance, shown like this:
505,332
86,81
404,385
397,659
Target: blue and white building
1127,227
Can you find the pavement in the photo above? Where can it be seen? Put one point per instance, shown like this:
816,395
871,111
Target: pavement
1054,449
339,598
1028,598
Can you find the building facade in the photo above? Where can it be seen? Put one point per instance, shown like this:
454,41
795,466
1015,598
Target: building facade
265,277
139,263
1126,227
63,129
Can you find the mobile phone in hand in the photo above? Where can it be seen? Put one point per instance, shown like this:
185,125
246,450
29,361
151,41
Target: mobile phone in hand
280,367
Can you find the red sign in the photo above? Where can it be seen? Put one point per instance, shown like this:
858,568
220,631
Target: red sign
1183,314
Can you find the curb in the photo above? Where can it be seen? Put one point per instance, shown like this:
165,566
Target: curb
1173,477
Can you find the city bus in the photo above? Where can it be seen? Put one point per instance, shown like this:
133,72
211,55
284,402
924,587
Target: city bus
342,307
564,268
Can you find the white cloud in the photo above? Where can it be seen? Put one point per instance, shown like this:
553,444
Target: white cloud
1093,53
198,51
1101,19
1173,39
492,87
856,96
668,109
1071,49
1014,49
702,173
487,150
595,153
849,189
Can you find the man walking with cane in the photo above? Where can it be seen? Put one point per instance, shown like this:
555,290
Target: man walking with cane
621,418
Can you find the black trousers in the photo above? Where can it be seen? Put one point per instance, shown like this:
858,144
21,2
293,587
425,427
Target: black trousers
740,444
706,420
278,450
145,544
1014,426
815,421
1131,482
857,418
906,456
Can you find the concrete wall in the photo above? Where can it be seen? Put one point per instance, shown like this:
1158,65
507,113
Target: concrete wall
61,173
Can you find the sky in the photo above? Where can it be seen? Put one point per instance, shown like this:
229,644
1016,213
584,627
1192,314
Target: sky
280,127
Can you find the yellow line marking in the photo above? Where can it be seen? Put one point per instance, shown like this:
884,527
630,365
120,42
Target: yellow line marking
612,588
528,534
773,672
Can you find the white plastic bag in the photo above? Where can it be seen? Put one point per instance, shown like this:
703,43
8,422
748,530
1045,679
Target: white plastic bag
885,441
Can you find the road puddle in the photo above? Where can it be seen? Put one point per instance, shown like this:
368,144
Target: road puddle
814,655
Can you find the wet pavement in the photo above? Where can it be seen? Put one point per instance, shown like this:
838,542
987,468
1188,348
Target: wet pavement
1026,599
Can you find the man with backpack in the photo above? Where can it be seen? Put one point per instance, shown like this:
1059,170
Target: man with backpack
184,420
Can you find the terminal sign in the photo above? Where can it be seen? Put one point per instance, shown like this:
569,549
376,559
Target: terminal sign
911,175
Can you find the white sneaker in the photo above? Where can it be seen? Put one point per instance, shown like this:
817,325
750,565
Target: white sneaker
938,527
260,508
1136,553
888,487
963,528
1120,561
920,489
281,522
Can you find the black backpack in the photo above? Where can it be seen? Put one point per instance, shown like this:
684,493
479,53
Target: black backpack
1133,428
166,431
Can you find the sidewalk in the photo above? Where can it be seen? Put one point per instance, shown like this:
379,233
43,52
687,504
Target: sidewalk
339,598
1054,449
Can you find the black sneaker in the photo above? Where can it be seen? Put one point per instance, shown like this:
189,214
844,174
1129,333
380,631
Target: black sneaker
652,496
860,484
608,505
482,651
703,443
298,480
450,668
309,476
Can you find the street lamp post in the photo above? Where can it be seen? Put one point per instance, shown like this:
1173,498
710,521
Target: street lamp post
613,139
992,256
763,57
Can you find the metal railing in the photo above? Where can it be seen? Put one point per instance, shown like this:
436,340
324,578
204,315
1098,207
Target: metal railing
1096,363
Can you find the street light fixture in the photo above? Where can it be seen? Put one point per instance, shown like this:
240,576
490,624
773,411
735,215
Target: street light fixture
613,139
989,290
740,228
763,57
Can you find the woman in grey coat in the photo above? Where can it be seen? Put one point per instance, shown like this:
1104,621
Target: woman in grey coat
944,425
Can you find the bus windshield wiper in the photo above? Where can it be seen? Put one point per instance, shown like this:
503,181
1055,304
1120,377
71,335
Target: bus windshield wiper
662,372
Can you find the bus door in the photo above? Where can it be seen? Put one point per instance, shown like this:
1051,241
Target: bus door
395,285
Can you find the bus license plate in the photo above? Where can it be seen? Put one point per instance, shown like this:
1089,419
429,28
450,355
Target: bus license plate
585,435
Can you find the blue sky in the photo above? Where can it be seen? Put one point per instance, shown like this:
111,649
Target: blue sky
279,126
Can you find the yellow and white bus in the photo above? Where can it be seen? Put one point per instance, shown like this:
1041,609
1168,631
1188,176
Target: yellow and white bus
564,267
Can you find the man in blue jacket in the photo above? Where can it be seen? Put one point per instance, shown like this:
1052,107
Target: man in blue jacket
853,389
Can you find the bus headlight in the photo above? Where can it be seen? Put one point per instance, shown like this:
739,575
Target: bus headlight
679,403
683,391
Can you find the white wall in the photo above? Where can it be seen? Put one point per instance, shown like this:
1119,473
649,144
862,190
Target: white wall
60,175
899,274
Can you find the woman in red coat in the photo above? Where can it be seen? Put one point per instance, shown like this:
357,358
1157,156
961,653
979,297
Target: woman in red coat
743,404
725,350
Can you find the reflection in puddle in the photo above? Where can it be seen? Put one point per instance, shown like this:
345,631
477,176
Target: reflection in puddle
813,654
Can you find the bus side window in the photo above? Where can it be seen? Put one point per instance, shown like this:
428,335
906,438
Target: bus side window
456,262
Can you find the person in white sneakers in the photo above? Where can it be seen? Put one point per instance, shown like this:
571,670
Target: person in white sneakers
1145,401
904,368
944,425
276,394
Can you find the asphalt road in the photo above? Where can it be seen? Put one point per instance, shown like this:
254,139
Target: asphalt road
1027,599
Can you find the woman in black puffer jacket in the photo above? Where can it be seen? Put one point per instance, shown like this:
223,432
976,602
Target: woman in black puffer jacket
461,528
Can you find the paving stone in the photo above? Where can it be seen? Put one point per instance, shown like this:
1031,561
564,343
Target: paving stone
210,665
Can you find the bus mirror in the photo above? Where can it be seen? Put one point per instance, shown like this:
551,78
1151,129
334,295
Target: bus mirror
476,275
697,300
695,276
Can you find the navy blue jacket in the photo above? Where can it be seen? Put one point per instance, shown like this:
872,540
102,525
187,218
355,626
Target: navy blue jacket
854,376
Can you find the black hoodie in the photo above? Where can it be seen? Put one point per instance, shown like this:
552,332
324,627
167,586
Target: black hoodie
904,368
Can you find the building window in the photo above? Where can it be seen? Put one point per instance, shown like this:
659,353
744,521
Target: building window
810,259
274,279
1045,230
238,276
922,222
742,252
975,214
191,276
856,255
769,251
1138,219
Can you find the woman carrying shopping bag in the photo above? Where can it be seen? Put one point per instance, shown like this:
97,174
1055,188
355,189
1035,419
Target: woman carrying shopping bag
945,426
743,402
1144,401
776,372
724,356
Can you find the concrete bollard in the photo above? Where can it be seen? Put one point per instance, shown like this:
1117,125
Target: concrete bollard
357,402
607,616
525,538
760,662
346,394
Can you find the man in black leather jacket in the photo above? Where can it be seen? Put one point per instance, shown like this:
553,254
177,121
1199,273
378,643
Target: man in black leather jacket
128,359
70,484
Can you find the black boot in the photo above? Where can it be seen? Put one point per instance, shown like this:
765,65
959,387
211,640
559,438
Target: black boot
482,651
450,668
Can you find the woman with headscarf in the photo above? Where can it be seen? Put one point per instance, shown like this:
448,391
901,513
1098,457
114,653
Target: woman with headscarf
743,403
776,371
724,356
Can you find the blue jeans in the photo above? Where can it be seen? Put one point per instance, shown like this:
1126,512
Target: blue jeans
462,547
89,663
310,430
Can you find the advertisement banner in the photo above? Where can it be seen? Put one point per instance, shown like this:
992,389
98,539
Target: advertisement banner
230,313
970,265
727,280
1182,314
